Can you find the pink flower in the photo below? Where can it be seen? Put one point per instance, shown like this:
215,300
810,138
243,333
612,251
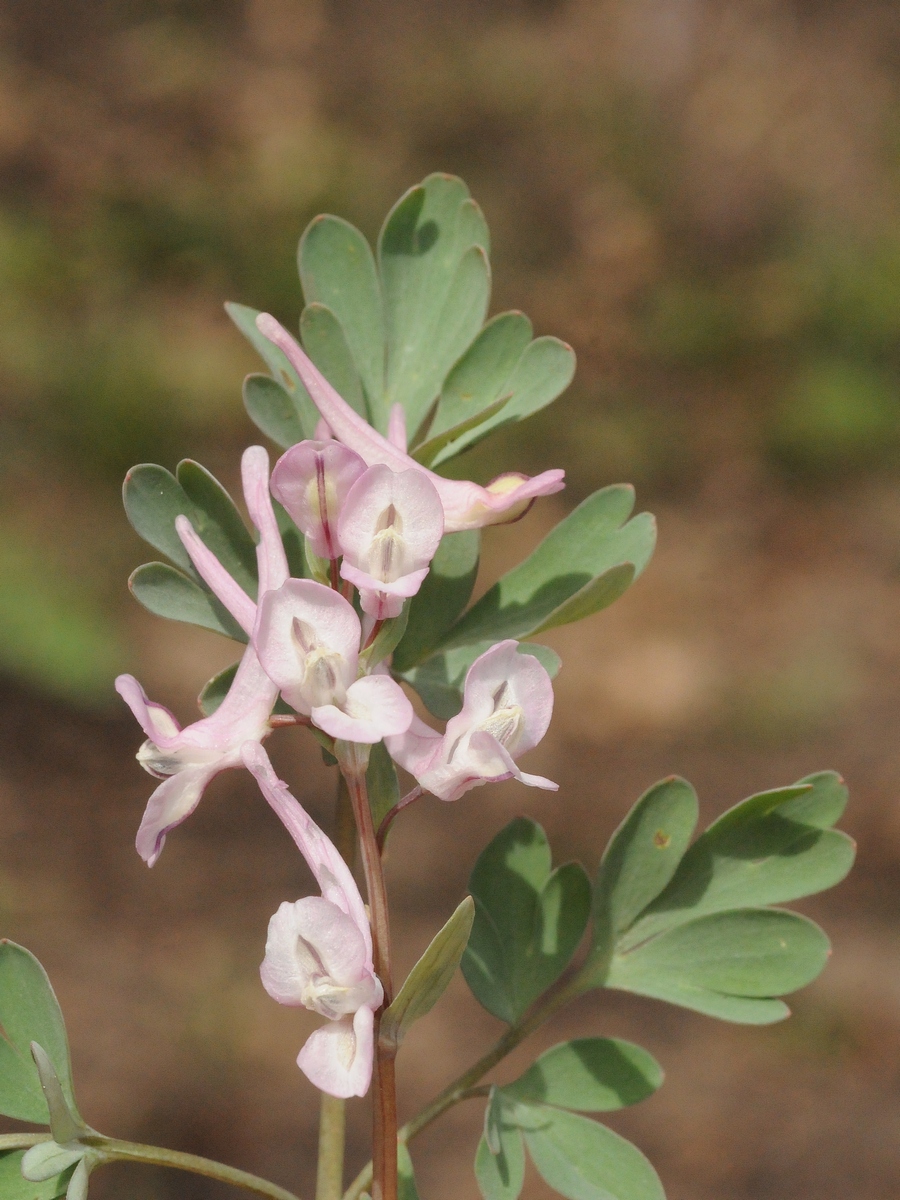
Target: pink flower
187,759
507,705
312,480
319,951
389,530
466,505
308,639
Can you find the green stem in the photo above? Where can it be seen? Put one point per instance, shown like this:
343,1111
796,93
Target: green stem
330,1173
464,1088
112,1150
332,1116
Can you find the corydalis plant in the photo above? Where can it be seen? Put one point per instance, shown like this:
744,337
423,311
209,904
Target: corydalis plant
353,588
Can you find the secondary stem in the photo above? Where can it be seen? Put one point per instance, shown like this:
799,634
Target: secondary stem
463,1088
332,1122
111,1149
384,1094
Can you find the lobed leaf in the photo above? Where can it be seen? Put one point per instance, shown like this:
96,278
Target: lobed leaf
326,344
271,408
588,1074
432,258
583,1160
529,920
585,563
441,598
29,1012
337,269
14,1186
168,593
219,524
277,362
754,954
501,1174
381,783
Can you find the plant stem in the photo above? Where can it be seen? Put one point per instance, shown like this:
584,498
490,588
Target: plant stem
111,1150
330,1173
332,1123
384,1096
463,1088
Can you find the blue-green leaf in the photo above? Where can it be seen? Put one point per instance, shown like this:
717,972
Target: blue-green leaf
167,593
750,953
529,920
271,408
29,1012
325,341
337,269
590,1075
276,361
441,598
14,1186
583,564
583,1160
432,257
219,524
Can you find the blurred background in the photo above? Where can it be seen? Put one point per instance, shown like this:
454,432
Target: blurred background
702,196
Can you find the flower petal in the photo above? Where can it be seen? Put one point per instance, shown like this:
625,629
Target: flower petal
331,872
155,720
375,707
173,801
312,936
312,480
338,1057
216,578
416,749
331,623
522,681
270,556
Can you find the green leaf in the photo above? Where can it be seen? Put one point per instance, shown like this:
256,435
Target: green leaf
381,783
337,268
29,1013
501,1175
271,408
751,953
440,679
583,1160
441,598
429,978
167,593
154,497
528,920
277,362
481,375
47,1159
294,543
325,342
65,1125
563,578
432,257
544,370
216,689
385,641
430,452
590,1075
406,1180
14,1186
758,853
642,856
219,524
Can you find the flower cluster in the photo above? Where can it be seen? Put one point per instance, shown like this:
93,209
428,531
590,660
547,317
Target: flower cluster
372,519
